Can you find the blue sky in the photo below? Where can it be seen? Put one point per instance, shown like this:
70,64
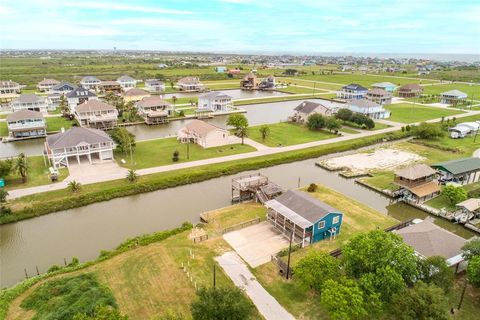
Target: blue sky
295,26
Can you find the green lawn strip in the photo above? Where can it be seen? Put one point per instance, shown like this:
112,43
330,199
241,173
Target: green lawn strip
3,129
470,90
38,175
47,202
159,152
56,111
3,116
410,113
55,124
293,89
319,85
382,180
378,126
364,80
286,134
274,99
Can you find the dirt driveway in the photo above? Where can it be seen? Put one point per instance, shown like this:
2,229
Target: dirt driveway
256,244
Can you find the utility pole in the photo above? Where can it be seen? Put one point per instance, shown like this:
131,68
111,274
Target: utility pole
463,294
290,251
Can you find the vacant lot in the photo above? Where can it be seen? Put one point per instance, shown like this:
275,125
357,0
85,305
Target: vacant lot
363,79
472,90
411,113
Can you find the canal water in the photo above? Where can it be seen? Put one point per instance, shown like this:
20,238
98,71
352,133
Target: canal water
83,232
234,93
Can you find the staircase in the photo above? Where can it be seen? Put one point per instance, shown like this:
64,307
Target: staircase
261,197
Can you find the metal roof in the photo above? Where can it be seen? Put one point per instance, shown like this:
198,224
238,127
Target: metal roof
459,166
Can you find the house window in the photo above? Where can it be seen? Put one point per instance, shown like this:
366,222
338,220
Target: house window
335,219
321,225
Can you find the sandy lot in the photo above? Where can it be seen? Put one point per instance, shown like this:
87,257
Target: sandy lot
379,159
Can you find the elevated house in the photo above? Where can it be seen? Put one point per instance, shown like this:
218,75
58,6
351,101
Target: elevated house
154,110
267,84
303,218
215,101
77,144
463,129
352,92
63,88
204,134
46,85
109,86
307,108
428,240
453,97
461,171
53,100
379,96
387,86
154,85
9,90
134,94
220,69
26,124
127,82
191,84
29,101
418,183
78,96
96,114
90,83
369,108
249,82
410,90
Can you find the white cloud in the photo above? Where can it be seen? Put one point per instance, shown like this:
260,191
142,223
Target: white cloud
123,7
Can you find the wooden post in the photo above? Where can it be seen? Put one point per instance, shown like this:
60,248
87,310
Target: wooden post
290,251
463,294
38,273
214,276
26,274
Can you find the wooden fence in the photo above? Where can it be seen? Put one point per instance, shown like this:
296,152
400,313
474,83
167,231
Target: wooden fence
282,266
200,238
241,225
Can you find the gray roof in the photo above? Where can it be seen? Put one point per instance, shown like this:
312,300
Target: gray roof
28,98
80,92
454,93
125,78
76,136
364,103
8,84
355,87
307,107
306,206
89,79
383,85
378,91
24,114
94,105
153,82
459,166
415,172
215,94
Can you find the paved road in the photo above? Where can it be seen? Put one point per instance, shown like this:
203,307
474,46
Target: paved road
236,269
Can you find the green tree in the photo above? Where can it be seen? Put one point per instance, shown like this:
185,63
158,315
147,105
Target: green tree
344,114
264,131
316,268
101,313
221,304
332,124
3,195
124,139
383,282
63,105
428,131
74,186
471,249
369,123
5,167
343,300
473,271
240,123
132,175
422,302
315,121
435,270
21,166
454,194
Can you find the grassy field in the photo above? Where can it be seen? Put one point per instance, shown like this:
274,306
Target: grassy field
362,79
471,90
286,134
411,113
310,83
3,129
57,123
275,99
159,152
301,90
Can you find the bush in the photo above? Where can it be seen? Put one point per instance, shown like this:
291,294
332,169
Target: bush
316,268
454,194
428,131
312,187
220,304
316,121
54,268
175,157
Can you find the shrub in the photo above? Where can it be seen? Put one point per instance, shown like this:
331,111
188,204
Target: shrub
74,186
316,121
175,157
312,187
221,303
454,194
316,268
428,131
54,268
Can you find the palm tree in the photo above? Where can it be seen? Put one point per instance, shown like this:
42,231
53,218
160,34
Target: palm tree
74,186
264,131
132,175
242,132
174,99
21,166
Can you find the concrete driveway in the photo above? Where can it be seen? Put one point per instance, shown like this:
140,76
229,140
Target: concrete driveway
256,244
95,172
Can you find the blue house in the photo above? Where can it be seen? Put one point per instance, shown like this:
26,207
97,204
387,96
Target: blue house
221,69
387,86
307,218
352,92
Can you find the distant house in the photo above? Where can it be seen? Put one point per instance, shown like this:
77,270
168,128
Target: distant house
410,90
127,82
90,82
53,100
417,183
154,110
352,92
307,218
387,86
190,84
78,96
453,97
134,94
162,66
29,101
9,90
463,129
96,114
215,101
154,85
428,240
461,171
26,124
379,96
467,210
204,134
109,86
220,69
267,84
369,108
46,85
77,144
234,71
306,108
249,82
62,88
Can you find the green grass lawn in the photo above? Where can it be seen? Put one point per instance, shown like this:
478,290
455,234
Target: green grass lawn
362,79
287,134
159,152
471,90
274,99
293,89
318,85
347,129
378,126
410,113
3,129
57,123
382,180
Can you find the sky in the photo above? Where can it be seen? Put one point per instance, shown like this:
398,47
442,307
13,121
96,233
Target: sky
244,26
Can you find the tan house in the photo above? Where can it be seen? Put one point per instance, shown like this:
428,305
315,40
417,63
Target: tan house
204,134
96,114
29,101
249,82
134,94
110,86
191,84
26,124
417,183
410,90
379,96
154,110
307,108
9,90
46,85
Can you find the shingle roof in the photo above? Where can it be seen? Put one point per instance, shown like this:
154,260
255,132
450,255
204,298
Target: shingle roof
454,93
459,166
94,105
80,92
305,205
153,82
307,107
135,92
364,103
215,94
125,78
64,83
415,172
48,81
76,136
411,86
24,114
28,98
90,79
200,127
152,101
383,85
378,91
355,86
189,80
